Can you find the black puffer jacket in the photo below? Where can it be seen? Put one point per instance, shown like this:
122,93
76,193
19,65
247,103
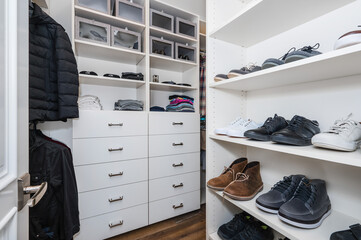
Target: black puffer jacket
53,73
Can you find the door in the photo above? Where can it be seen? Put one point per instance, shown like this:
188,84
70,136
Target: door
13,116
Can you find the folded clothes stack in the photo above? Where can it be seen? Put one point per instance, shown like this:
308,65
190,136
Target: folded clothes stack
128,105
180,103
89,102
133,76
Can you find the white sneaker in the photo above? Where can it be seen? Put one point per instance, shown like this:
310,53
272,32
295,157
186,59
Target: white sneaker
239,130
344,135
224,130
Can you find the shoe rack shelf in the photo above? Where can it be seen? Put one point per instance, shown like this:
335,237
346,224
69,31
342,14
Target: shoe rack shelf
108,81
166,63
170,87
346,158
336,220
321,67
158,32
258,20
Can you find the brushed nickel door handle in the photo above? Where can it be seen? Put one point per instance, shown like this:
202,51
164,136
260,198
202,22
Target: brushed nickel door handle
177,186
178,165
115,149
177,144
177,123
111,225
179,206
115,174
115,124
115,200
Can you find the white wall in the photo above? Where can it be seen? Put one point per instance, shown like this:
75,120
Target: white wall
197,7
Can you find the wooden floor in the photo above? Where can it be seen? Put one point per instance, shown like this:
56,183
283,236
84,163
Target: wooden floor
191,226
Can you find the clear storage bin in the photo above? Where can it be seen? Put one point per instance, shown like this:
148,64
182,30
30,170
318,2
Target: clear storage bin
92,31
129,10
125,38
103,6
186,28
185,53
161,20
161,47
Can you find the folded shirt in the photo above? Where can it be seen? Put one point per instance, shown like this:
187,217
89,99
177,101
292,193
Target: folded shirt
157,109
128,105
133,76
89,102
180,96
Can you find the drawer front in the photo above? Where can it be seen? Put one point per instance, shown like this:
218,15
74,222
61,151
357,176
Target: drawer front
173,165
108,200
170,186
98,227
174,206
101,150
109,124
172,123
97,176
162,145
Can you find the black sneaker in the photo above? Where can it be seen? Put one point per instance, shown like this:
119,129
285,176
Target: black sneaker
280,193
299,132
354,233
273,62
270,126
309,206
238,223
303,53
255,231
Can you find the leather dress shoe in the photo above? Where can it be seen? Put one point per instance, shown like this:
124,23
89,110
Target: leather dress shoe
270,126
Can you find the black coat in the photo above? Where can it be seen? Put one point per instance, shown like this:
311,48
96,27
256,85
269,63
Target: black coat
53,72
56,216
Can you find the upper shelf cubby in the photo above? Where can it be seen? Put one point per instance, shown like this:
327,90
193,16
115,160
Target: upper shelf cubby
262,19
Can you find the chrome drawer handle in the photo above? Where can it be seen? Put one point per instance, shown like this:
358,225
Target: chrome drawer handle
179,206
115,124
115,200
177,186
115,174
115,149
177,144
177,123
178,165
111,225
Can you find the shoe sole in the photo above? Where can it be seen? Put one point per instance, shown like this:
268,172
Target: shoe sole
243,198
219,79
268,210
233,75
258,137
350,148
304,225
215,188
285,140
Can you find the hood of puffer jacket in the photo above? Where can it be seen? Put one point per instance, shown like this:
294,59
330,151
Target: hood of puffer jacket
40,17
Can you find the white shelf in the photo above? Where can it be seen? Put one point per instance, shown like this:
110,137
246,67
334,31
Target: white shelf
106,18
170,64
335,222
262,19
158,32
346,158
214,236
326,66
107,81
107,53
170,87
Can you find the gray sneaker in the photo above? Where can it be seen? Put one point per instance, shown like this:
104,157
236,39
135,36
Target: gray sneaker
273,62
245,70
303,53
309,206
280,193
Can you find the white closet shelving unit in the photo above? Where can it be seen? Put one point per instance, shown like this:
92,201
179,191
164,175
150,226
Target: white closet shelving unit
326,87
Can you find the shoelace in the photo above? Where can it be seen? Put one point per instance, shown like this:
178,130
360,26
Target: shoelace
283,185
306,191
242,177
269,123
238,120
289,51
342,126
295,123
309,48
227,169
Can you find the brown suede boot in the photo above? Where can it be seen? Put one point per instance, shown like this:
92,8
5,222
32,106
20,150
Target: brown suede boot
228,175
247,184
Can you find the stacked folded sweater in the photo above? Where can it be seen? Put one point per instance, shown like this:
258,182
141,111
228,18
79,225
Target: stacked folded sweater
89,102
128,105
180,103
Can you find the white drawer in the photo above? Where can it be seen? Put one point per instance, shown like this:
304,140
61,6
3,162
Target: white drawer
174,206
107,200
173,165
110,124
97,228
171,123
170,186
97,176
161,145
101,150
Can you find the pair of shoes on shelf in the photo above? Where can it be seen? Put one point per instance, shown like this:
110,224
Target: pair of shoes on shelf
298,201
292,55
348,39
244,226
344,135
237,128
237,72
161,52
184,57
299,131
354,233
240,181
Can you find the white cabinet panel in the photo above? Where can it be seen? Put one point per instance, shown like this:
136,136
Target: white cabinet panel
100,150
170,186
112,199
173,165
174,206
172,123
110,124
100,227
97,176
161,145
